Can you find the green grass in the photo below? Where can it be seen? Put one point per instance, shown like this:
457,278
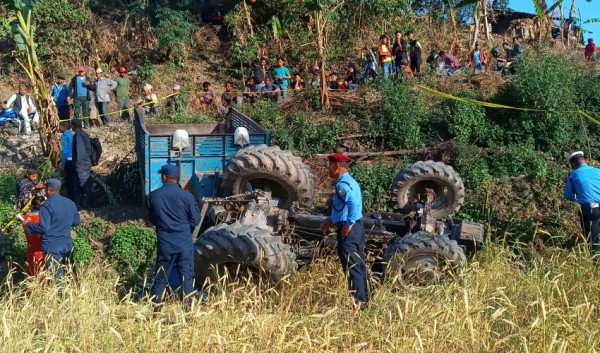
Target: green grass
498,304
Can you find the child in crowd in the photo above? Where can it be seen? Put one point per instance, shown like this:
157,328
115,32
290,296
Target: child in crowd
207,97
25,185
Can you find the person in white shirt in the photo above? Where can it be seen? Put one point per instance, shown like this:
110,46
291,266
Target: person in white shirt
149,101
25,109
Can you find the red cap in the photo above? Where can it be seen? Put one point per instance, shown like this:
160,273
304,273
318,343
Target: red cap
122,69
81,68
338,157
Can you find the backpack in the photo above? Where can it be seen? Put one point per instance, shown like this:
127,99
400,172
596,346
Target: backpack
96,151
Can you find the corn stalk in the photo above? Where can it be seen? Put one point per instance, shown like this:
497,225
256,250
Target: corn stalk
322,14
23,32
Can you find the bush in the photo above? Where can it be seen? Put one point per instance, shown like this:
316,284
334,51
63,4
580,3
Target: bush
82,250
133,249
174,31
306,134
375,180
8,182
94,230
399,119
60,27
546,82
467,122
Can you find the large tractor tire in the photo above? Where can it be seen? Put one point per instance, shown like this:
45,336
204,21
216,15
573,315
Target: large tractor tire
424,177
237,249
270,169
422,258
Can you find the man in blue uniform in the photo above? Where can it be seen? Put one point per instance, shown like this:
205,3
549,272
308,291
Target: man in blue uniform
57,216
174,212
346,216
81,164
583,186
66,158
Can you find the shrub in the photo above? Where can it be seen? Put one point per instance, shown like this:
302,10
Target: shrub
82,250
264,113
60,25
466,121
400,116
132,249
8,182
306,134
546,82
94,230
375,180
174,31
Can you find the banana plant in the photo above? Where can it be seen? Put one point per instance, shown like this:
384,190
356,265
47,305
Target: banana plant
23,33
279,30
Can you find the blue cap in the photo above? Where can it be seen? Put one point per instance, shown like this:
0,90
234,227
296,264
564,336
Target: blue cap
53,183
169,170
76,123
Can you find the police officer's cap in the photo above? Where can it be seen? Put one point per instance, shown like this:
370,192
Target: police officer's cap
53,183
169,170
76,123
338,157
575,155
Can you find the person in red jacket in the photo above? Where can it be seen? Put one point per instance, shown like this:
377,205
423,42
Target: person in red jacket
478,59
590,51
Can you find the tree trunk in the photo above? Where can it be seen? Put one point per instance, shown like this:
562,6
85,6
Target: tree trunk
321,44
248,17
571,17
476,23
488,31
454,31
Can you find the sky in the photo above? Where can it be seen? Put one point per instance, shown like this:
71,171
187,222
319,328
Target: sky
588,10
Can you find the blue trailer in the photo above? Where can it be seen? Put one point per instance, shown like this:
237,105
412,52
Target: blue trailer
211,146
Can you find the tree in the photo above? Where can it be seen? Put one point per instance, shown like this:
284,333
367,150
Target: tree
322,11
23,32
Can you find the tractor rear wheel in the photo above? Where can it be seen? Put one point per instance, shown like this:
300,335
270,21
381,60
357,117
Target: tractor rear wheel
236,250
270,169
422,258
428,177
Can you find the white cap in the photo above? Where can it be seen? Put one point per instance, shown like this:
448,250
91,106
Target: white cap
176,87
99,70
575,154
148,87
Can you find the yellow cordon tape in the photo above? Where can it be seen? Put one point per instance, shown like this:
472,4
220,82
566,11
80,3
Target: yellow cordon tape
14,218
501,106
122,110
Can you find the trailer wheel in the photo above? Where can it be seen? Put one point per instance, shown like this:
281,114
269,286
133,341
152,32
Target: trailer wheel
427,176
235,250
270,169
422,258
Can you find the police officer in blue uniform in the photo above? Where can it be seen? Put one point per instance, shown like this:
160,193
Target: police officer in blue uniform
174,212
57,216
583,186
346,216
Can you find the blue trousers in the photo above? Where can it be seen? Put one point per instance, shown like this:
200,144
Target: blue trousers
183,263
351,250
590,221
56,261
388,68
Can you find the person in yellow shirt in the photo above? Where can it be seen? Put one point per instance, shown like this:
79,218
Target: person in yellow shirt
385,56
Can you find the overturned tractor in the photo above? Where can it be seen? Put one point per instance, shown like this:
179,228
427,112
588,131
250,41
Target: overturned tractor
255,202
272,231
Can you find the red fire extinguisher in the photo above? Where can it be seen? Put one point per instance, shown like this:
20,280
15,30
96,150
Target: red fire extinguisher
35,256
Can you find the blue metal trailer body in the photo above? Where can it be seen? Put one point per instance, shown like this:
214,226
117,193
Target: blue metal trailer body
201,165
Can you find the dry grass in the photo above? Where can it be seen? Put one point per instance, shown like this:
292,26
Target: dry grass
544,305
